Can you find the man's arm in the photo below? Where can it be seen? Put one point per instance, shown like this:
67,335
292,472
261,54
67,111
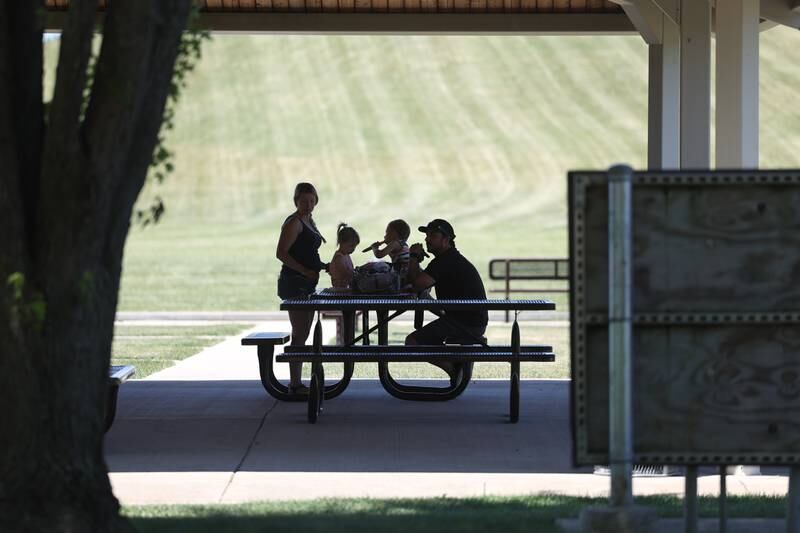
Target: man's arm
419,279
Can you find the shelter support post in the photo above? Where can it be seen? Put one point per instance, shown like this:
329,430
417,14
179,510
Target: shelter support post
793,515
664,90
690,499
723,500
695,100
737,24
621,515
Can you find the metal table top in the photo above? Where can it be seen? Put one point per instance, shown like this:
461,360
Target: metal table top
406,303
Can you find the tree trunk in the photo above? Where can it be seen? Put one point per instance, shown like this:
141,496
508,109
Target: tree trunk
67,190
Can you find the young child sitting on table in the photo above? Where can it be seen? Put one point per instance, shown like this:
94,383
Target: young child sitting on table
397,231
341,267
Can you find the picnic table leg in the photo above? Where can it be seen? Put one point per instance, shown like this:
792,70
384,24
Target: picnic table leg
349,326
514,392
274,388
315,392
383,327
279,391
422,394
111,406
410,392
365,327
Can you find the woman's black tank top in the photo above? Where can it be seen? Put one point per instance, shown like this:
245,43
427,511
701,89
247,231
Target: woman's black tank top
305,249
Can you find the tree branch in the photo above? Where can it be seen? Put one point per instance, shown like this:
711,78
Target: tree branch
63,161
21,125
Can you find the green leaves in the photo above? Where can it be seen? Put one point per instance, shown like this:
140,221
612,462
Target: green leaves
16,282
189,53
30,310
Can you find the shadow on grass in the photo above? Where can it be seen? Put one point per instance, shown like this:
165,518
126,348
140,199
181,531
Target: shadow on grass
508,514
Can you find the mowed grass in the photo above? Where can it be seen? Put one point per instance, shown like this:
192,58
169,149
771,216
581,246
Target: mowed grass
540,333
154,348
478,130
507,514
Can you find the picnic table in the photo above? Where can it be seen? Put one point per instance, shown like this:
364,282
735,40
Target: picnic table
387,308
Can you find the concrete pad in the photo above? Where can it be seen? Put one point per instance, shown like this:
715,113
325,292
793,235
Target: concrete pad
229,360
247,486
210,441
366,430
151,488
182,426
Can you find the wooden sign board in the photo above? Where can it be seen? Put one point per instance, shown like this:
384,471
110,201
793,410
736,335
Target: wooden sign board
716,317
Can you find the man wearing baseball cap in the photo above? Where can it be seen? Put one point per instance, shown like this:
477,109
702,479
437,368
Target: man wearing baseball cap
452,276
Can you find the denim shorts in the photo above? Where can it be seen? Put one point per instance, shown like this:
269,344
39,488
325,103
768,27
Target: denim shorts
294,286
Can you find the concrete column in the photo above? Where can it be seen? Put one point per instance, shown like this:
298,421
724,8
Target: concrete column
737,24
695,128
664,100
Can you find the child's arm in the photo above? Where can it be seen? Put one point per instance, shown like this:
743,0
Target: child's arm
389,248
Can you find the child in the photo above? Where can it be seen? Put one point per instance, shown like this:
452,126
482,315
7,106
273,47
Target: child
397,231
341,267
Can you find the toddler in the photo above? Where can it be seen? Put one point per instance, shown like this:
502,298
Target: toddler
341,267
397,231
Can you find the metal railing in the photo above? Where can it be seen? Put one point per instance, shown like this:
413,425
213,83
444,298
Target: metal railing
529,269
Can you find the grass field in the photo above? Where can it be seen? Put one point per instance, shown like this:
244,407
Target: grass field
438,515
153,348
478,130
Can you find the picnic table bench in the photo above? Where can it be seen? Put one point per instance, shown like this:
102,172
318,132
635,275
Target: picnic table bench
117,375
317,355
465,350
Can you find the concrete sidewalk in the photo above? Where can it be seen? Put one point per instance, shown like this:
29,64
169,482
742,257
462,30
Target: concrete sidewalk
205,431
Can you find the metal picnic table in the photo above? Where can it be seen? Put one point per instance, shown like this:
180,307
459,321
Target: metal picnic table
388,307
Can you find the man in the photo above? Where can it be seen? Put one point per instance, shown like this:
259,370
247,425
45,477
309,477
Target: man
454,277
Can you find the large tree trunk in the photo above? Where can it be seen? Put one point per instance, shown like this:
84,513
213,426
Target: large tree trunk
68,180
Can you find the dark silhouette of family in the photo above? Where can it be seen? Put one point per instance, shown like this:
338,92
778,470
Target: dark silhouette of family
450,274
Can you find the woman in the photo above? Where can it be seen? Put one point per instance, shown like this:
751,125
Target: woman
298,250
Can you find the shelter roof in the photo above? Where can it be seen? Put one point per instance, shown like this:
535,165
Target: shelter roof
383,6
399,16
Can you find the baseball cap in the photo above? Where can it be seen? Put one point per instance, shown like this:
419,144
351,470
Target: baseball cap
440,225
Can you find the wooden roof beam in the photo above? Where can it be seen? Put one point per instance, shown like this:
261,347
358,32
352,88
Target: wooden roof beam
405,23
786,12
647,17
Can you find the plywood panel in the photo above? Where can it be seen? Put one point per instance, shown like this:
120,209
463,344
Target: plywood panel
716,323
707,392
742,235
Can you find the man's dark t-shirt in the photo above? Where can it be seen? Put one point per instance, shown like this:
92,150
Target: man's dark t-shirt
457,278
